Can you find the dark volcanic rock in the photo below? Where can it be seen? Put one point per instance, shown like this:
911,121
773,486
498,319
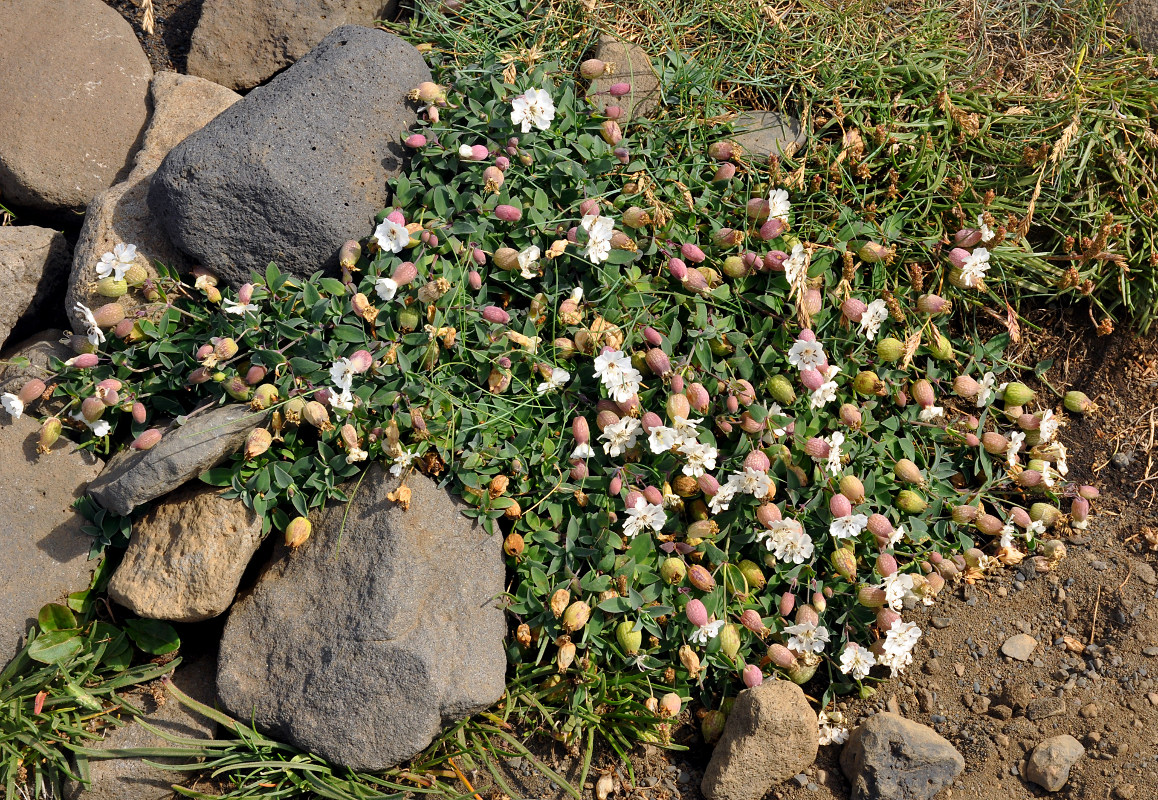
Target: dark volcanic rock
362,643
297,167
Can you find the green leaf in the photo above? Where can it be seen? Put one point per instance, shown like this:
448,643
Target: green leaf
218,476
55,647
55,617
333,286
153,636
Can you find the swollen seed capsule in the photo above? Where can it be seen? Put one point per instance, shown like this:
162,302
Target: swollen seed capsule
592,68
297,532
576,616
147,440
1077,402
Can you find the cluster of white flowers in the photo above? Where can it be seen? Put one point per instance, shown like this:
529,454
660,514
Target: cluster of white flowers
342,374
392,235
898,647
620,436
787,541
643,515
115,264
533,107
1016,440
975,266
778,205
896,586
857,661
807,354
405,459
870,321
621,380
834,452
599,230
987,233
826,392
807,637
796,268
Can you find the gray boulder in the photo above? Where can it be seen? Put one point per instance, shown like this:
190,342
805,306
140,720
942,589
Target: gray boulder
182,104
43,551
133,477
241,43
297,167
891,758
33,266
1140,18
767,133
38,349
771,735
132,778
362,643
632,66
186,556
75,82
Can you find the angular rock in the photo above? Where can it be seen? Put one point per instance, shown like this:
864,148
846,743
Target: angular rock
132,778
891,758
182,104
75,89
187,556
770,736
361,644
633,66
38,350
1044,707
43,552
33,265
303,160
241,43
1050,762
1019,647
768,133
185,451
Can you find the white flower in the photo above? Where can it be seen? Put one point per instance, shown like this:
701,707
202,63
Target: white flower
705,633
1062,467
533,107
895,586
95,335
236,307
1007,532
834,452
899,643
897,534
930,413
386,288
832,729
778,205
662,439
722,499
356,454
404,460
342,401
701,458
847,527
643,515
582,451
1035,529
108,267
99,428
577,294
752,482
1048,477
599,230
975,266
988,381
686,430
465,151
1016,440
774,410
806,355
1049,426
870,321
342,374
857,661
527,259
807,637
620,436
796,267
392,236
12,404
558,379
986,233
824,395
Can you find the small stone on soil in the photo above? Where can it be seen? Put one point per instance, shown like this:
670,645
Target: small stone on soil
1019,647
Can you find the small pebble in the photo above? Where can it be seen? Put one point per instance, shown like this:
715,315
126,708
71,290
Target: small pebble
941,622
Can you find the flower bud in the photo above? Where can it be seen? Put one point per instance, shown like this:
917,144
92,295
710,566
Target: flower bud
692,253
1017,394
867,383
811,378
612,111
91,408
696,613
316,414
781,656
508,213
988,524
850,415
880,527
496,315
910,502
966,387
592,68
923,393
886,565
701,578
852,310
1029,478
224,349
963,514
610,131
890,350
908,472
620,89
238,389
957,257
1020,517
721,151
872,252
708,484
1045,513
994,443
147,440
752,676
886,618
839,506
673,571
758,461
108,315
767,514
751,620
786,604
257,442
932,304
817,448
31,391
576,616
